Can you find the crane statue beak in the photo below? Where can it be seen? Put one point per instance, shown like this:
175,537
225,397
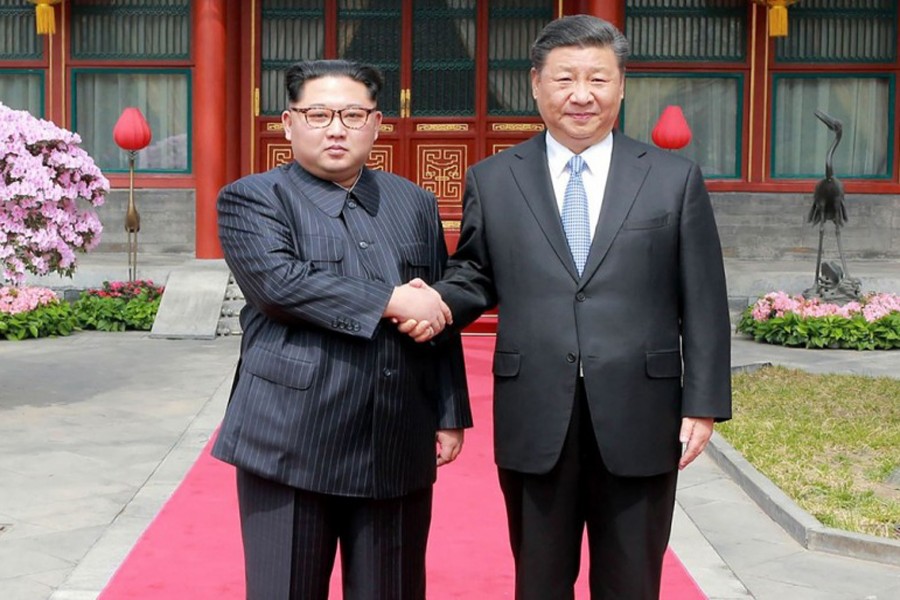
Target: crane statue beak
832,123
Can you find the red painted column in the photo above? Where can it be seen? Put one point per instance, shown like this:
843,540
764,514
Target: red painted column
210,50
611,10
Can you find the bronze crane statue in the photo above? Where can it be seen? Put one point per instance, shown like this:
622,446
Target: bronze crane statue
828,205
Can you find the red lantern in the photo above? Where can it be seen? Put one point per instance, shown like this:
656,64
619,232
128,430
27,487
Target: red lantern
671,131
132,131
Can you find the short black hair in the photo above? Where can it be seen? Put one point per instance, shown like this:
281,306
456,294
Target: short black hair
579,30
299,73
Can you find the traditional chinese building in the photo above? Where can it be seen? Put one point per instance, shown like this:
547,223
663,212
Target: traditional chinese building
208,75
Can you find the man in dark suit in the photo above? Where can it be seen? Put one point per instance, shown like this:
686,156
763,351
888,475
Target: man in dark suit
602,256
337,421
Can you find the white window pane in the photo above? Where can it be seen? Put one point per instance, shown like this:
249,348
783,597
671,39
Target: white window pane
710,106
162,97
22,91
800,141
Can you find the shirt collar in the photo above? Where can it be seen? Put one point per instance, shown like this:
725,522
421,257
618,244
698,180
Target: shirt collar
558,155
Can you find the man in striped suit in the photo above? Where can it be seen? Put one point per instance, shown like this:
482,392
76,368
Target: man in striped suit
337,421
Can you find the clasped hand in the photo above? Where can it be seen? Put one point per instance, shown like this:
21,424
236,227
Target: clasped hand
418,310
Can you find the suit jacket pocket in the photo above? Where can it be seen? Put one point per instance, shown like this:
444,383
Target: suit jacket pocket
664,363
416,262
654,223
506,364
289,372
321,248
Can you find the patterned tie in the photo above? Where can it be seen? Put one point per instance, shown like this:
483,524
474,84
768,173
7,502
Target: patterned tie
576,222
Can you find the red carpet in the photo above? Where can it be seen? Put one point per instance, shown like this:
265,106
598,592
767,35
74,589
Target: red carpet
192,550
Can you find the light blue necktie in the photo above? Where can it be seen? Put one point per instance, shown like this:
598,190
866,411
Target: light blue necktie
575,218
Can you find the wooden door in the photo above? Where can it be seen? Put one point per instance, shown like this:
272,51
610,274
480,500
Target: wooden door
456,79
457,85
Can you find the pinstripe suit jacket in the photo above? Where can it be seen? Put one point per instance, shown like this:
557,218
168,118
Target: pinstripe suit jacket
327,397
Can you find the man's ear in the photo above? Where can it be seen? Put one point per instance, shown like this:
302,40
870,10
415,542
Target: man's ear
376,125
286,123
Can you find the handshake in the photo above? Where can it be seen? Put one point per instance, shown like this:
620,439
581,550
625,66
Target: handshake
418,310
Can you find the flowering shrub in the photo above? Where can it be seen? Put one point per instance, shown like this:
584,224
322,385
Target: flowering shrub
33,312
43,176
872,323
119,305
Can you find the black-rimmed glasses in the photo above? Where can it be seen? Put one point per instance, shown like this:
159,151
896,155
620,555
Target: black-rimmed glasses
319,117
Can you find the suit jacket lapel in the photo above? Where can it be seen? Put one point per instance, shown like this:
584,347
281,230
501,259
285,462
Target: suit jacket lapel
627,172
532,176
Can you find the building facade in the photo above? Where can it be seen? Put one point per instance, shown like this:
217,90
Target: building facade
208,75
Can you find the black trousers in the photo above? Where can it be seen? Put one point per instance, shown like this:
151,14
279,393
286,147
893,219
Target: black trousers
628,522
291,538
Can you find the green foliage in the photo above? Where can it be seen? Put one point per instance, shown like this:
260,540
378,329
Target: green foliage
119,306
830,331
54,319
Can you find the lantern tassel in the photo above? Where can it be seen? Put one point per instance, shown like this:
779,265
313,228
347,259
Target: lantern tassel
778,21
46,19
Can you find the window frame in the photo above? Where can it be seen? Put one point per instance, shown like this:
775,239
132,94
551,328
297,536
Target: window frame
892,132
189,76
164,178
760,71
739,113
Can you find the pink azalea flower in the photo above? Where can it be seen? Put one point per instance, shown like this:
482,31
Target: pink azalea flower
872,307
48,186
15,300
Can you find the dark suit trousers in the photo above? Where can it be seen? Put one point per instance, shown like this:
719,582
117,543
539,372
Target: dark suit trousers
291,536
628,522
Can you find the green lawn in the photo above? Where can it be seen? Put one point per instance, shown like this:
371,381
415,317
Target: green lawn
828,441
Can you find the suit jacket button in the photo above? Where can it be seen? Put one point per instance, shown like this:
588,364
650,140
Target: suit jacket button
351,204
364,245
570,357
387,372
580,296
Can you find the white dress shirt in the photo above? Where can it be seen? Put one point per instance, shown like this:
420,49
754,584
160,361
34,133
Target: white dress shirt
596,171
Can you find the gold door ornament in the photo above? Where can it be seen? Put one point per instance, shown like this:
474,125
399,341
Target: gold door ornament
278,154
441,169
381,158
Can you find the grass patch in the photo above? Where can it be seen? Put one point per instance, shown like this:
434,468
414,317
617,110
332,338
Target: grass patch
828,441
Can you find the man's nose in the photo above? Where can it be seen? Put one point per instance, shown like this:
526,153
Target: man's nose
336,128
582,92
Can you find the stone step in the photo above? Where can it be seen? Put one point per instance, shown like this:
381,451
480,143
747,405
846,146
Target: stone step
229,326
232,308
233,291
229,322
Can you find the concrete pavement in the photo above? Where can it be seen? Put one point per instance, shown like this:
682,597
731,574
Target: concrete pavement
96,431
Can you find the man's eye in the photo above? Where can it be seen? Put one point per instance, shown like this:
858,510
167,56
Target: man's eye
318,115
354,115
